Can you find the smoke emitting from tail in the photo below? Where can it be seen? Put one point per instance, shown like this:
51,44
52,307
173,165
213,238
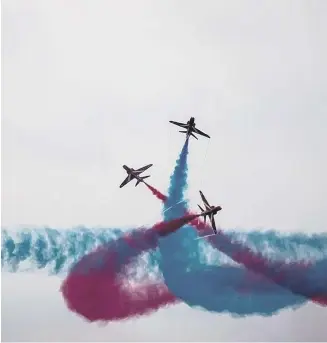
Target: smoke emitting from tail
155,192
234,272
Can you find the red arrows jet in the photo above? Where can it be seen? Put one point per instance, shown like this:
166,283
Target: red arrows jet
190,128
209,211
135,174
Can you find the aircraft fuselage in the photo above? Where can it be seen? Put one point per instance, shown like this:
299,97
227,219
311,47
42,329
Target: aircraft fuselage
131,172
191,126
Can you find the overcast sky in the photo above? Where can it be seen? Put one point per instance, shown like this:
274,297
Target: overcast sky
91,85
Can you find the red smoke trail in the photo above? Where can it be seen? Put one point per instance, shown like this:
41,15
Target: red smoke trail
278,273
155,192
101,295
95,287
164,229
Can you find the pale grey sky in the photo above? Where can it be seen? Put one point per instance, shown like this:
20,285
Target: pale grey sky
90,85
37,312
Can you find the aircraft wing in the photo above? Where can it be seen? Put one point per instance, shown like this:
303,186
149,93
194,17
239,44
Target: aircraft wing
127,180
178,124
141,170
213,223
199,132
204,200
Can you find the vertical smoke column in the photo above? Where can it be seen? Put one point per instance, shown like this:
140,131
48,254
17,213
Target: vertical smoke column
173,206
174,249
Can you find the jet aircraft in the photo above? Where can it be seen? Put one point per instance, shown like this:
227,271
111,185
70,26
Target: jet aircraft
135,174
209,211
190,128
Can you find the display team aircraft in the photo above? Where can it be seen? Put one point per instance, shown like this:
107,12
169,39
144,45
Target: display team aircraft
210,211
135,174
190,128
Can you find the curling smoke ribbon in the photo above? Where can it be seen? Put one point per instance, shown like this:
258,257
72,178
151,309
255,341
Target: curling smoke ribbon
97,286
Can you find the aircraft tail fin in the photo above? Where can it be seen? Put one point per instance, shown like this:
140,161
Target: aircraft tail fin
141,179
202,210
205,216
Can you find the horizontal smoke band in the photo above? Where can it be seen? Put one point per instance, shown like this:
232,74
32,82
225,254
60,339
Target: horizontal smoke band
59,249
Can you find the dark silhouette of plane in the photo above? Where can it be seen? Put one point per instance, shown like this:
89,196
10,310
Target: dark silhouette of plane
190,128
135,174
209,211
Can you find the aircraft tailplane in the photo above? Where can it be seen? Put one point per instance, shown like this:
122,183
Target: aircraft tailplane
142,178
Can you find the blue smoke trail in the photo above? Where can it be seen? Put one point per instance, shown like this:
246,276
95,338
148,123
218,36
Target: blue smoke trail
175,206
199,283
56,250
178,184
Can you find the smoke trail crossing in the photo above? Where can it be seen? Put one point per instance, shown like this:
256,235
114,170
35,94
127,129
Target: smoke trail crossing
181,264
97,287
